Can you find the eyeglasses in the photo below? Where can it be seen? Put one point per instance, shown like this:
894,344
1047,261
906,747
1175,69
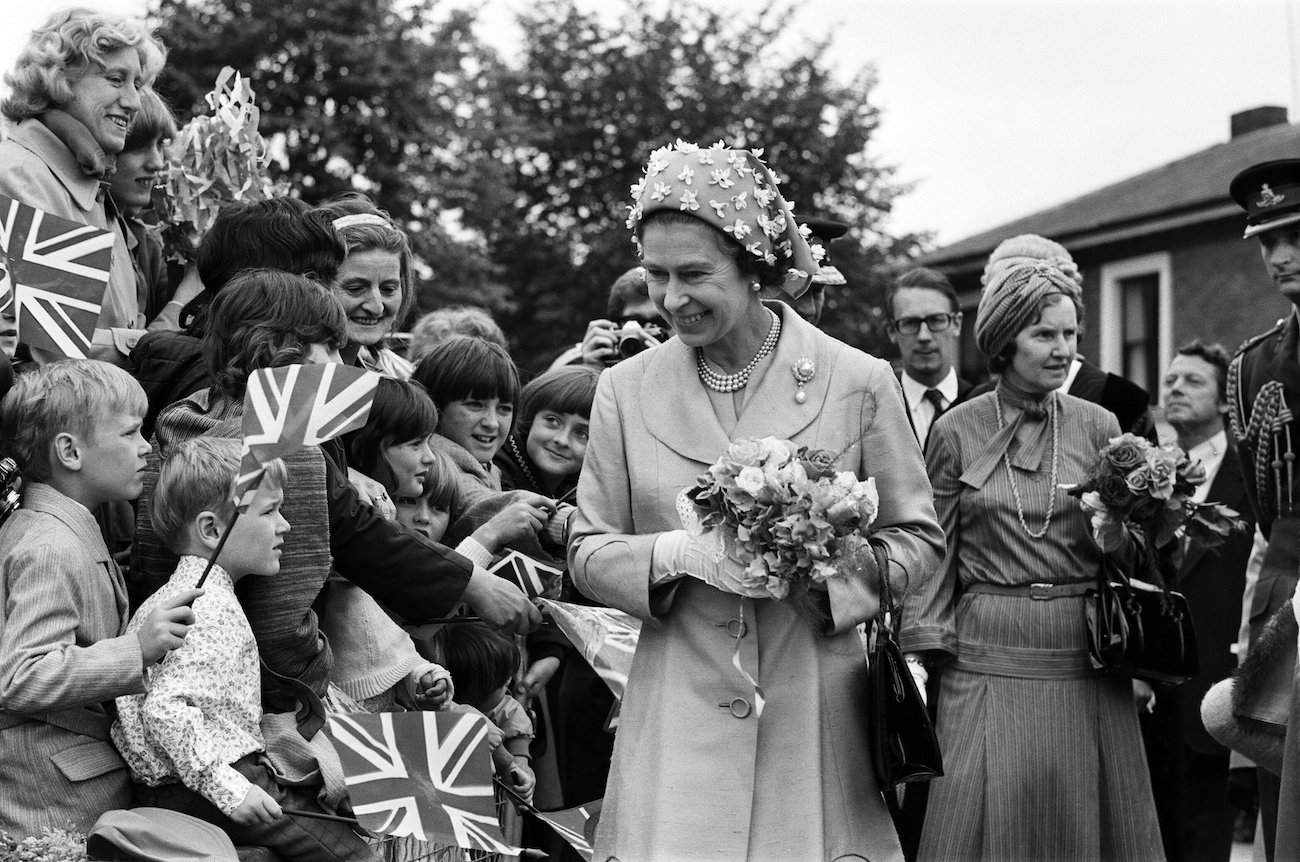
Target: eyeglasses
933,322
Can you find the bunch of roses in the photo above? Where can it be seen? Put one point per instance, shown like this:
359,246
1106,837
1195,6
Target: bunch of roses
789,515
1138,485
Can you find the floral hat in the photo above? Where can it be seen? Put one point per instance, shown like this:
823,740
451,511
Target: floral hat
733,191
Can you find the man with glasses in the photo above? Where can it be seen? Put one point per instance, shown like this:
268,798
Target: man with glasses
925,323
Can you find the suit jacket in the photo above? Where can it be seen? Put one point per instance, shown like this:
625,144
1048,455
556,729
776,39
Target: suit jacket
691,779
62,656
1213,582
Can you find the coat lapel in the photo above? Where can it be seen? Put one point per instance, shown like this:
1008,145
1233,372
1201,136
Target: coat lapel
677,411
772,410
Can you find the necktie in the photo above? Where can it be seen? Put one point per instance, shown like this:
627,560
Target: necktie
935,397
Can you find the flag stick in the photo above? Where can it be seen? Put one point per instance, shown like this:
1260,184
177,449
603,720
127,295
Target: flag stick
220,544
316,815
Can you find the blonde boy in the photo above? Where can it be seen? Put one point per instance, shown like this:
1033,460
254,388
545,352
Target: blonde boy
193,740
73,427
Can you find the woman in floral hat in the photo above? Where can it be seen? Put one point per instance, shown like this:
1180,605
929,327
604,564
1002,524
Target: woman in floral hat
742,731
1043,757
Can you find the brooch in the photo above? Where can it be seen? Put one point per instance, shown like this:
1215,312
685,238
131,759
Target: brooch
804,371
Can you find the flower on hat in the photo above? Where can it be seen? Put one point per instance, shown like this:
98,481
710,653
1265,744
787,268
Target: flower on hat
634,216
720,207
686,146
739,202
686,175
739,230
688,201
661,191
658,162
721,177
763,196
637,188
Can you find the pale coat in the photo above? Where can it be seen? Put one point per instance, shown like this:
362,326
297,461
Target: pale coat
63,610
39,170
696,774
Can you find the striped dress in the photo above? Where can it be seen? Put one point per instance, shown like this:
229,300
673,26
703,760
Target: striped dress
1043,756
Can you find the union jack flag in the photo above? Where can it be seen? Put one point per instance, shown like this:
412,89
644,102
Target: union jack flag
575,825
294,406
54,278
526,573
605,637
427,775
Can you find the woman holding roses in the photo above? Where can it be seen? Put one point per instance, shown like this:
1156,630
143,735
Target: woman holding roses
1043,756
741,734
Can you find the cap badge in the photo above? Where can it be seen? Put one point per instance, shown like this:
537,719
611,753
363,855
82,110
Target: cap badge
1268,197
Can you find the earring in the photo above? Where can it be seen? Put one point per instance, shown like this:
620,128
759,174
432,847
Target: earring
755,285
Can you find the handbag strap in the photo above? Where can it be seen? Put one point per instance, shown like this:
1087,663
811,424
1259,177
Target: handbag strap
884,616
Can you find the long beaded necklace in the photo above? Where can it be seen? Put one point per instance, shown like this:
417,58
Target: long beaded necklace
1056,460
735,382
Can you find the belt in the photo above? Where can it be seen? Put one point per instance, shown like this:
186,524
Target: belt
1038,592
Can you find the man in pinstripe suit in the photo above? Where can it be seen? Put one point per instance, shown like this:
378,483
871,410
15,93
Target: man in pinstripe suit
73,427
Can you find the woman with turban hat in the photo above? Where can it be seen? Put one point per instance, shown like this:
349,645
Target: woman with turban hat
742,731
1043,756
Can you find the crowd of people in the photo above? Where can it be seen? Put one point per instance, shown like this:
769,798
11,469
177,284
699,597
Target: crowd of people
147,661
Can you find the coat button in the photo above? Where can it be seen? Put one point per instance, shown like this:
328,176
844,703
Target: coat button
735,627
738,707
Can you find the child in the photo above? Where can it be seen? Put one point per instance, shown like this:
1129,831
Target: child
475,386
545,452
375,662
483,663
73,427
198,721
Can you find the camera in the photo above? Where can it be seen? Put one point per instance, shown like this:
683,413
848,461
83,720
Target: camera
633,338
9,500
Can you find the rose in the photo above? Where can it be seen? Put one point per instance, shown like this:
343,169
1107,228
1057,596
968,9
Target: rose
1160,475
1126,452
750,480
1113,491
774,452
819,463
1137,481
868,500
744,452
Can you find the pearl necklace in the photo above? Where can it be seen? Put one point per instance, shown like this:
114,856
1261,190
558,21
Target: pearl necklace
735,382
1056,460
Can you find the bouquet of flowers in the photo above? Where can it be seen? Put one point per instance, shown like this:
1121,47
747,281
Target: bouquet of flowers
214,160
787,514
1147,490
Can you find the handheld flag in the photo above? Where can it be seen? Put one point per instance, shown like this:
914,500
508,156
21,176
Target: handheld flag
422,774
294,406
526,573
605,637
575,825
55,275
288,408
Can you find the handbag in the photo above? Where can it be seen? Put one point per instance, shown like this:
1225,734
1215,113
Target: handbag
1138,630
900,735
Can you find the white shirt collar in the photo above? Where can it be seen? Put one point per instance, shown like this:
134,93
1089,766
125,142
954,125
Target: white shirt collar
915,391
1210,453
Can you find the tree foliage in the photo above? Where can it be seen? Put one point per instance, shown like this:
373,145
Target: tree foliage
513,175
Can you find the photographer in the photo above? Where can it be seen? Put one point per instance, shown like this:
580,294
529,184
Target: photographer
633,325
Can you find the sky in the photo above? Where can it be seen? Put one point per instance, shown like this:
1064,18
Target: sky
995,109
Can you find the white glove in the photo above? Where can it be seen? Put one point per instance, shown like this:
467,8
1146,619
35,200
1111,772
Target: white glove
921,675
677,554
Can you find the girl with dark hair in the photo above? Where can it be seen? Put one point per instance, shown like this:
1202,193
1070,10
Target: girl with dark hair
545,452
476,386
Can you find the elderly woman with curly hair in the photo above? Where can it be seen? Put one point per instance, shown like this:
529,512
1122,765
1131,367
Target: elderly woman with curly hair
76,90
